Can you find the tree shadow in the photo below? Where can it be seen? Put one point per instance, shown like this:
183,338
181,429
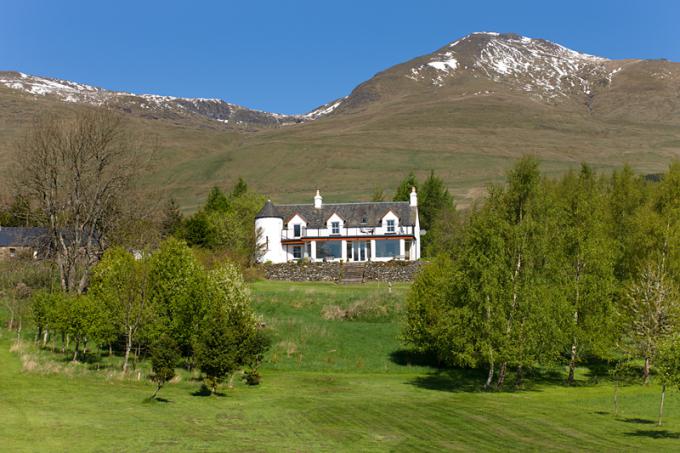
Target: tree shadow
205,391
640,421
407,357
158,399
654,434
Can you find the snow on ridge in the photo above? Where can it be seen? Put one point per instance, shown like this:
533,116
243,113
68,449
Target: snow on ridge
323,110
536,65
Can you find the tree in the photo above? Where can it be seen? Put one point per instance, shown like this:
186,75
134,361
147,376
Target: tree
240,188
217,201
122,284
586,273
172,218
403,191
378,195
668,366
79,172
652,310
228,337
83,319
164,358
177,292
216,349
433,197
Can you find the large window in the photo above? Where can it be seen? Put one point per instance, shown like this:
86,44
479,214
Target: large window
328,250
335,227
390,226
387,249
297,252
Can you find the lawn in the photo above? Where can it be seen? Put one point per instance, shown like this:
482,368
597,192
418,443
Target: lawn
328,385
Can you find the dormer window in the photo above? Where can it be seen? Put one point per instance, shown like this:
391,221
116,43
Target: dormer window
297,230
335,227
390,226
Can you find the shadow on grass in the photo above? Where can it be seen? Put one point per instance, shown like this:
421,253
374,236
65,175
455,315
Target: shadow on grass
406,357
654,434
472,380
152,400
205,391
639,421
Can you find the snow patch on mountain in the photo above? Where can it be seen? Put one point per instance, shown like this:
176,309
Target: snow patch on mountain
210,108
545,69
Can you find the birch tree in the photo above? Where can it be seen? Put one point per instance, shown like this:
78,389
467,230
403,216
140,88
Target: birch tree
79,173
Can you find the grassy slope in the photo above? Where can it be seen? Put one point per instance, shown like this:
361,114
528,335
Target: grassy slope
311,405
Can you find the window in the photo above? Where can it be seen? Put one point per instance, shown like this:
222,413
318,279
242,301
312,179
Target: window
390,226
297,252
335,227
387,249
328,250
297,230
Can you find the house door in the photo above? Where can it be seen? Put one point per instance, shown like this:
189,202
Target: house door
360,251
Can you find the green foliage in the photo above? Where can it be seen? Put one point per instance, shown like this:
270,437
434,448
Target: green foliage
433,198
225,223
403,191
164,358
172,219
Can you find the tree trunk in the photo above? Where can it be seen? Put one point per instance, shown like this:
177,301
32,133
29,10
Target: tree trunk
128,348
663,397
45,337
110,350
158,387
501,375
572,364
616,398
489,378
520,376
75,352
645,370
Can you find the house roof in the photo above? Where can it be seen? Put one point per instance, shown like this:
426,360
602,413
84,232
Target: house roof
353,214
22,237
268,210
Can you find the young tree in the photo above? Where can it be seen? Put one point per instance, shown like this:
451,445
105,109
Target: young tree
433,197
122,284
216,348
586,273
79,172
652,310
240,188
177,292
668,366
172,219
164,358
217,201
403,191
378,195
83,319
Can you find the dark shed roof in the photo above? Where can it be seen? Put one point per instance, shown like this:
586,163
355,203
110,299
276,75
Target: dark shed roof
353,214
22,237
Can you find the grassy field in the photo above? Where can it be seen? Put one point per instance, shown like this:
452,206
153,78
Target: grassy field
329,384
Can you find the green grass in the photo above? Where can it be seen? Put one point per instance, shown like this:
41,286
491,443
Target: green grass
316,400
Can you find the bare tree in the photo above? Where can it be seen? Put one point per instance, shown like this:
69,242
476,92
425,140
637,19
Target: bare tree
79,172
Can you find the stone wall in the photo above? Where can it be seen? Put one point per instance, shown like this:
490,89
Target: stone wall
391,271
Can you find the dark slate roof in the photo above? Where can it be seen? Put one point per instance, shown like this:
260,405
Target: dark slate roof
268,210
353,214
22,237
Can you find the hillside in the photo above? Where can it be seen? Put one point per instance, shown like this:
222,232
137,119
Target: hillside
465,110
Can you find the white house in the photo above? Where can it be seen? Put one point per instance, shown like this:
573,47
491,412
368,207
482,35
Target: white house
348,232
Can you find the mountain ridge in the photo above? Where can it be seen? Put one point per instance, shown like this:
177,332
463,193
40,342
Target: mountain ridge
465,110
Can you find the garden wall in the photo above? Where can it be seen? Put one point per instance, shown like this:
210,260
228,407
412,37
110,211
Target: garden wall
394,271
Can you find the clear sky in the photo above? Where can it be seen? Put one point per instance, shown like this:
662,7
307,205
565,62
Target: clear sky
291,56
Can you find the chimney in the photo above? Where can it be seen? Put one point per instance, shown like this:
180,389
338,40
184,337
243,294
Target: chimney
414,198
317,200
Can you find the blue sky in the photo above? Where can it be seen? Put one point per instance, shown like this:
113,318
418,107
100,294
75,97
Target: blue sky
291,56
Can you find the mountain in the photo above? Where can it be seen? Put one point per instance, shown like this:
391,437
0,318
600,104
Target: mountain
148,105
466,110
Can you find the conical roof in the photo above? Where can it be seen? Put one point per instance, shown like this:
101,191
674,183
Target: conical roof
268,210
